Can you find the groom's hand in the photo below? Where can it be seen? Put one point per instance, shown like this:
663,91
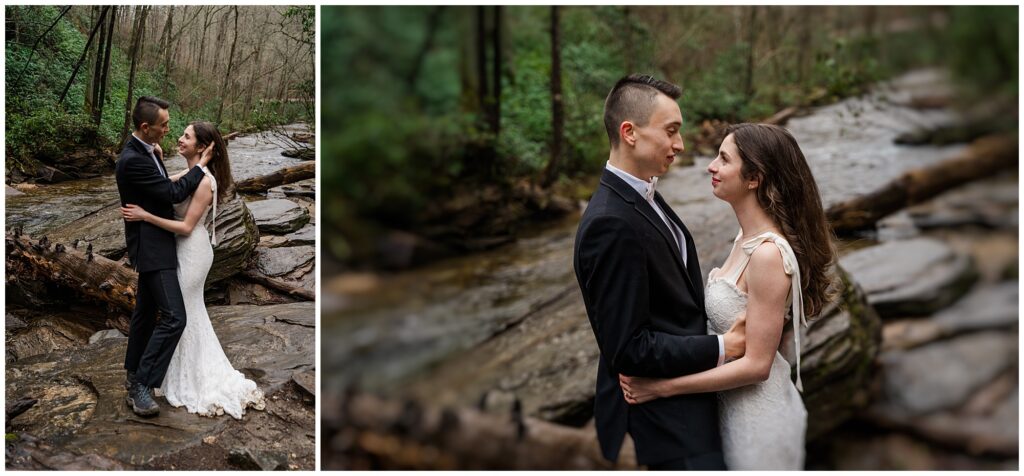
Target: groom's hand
736,338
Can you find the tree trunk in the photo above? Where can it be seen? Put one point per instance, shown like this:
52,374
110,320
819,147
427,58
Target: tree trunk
35,45
85,51
140,24
167,51
495,110
557,109
284,176
428,43
227,75
105,76
985,157
751,38
481,60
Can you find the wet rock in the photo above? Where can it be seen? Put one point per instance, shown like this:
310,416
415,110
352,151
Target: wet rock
985,425
986,307
306,380
104,229
943,374
81,394
399,250
549,363
45,332
250,459
910,277
302,188
278,215
28,453
106,334
237,236
13,192
282,261
19,406
305,236
243,291
991,203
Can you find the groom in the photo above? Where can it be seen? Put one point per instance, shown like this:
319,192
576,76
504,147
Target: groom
142,180
637,267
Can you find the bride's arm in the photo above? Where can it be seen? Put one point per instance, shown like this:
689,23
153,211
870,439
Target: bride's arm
767,289
200,200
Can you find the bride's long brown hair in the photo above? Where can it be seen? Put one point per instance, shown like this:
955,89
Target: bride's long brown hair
207,134
788,193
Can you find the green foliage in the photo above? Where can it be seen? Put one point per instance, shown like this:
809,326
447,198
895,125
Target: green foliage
38,127
400,135
982,48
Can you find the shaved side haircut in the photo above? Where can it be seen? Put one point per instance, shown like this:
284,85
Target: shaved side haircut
632,99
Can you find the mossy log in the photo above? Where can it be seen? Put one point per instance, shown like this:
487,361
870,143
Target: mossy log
284,176
73,266
983,158
367,432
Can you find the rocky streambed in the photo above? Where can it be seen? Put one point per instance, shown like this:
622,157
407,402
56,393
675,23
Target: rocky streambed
64,353
896,366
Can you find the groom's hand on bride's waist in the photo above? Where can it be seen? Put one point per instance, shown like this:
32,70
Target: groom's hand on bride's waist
736,338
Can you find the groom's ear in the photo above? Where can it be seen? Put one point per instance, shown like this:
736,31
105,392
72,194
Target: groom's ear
627,132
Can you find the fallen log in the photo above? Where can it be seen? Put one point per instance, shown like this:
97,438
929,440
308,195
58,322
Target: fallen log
231,136
983,158
280,285
286,175
782,117
367,432
73,266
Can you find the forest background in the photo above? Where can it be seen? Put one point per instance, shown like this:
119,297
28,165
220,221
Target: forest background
74,72
467,109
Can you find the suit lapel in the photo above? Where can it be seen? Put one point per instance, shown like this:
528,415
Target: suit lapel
693,265
647,211
134,144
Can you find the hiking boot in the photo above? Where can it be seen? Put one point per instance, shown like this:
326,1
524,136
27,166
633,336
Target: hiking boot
140,399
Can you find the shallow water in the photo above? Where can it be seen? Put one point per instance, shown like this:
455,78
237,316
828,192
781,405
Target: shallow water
50,206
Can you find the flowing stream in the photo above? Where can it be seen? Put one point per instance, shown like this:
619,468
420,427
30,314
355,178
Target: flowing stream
49,206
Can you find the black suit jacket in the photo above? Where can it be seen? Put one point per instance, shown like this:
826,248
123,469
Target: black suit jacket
140,182
647,312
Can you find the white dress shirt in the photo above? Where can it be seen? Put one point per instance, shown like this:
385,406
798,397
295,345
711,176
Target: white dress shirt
644,188
149,148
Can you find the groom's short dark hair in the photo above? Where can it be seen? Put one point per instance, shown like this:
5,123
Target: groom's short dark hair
632,99
147,109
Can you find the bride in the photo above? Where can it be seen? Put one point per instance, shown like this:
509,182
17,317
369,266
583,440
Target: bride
779,260
200,377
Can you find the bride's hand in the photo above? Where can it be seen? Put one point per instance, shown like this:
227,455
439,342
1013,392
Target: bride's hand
207,155
134,213
158,151
638,390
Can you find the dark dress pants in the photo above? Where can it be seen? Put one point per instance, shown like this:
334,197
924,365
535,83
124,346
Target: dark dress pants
151,344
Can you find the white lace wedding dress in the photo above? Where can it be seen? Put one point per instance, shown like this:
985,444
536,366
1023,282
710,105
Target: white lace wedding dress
200,377
762,425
